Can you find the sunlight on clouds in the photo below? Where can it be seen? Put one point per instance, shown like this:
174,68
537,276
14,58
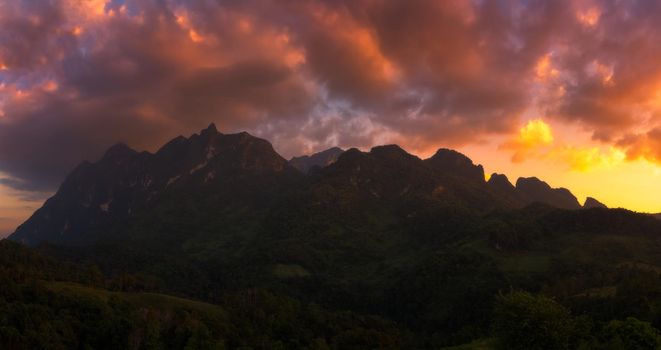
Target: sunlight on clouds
602,71
587,159
184,22
534,135
590,17
362,43
536,140
88,8
96,7
368,45
544,68
536,132
50,86
292,57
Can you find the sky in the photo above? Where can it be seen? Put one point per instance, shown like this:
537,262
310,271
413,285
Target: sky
569,91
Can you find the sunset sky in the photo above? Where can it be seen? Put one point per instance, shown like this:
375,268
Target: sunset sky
569,91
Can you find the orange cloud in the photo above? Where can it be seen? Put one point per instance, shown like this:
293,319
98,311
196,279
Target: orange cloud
602,71
589,17
422,73
544,68
645,146
183,20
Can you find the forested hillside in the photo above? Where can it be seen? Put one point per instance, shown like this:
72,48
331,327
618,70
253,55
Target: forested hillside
216,241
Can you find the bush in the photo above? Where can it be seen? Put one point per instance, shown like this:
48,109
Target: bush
630,334
528,322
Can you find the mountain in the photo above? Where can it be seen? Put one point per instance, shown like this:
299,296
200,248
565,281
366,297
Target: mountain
501,185
124,182
535,190
320,159
457,164
593,203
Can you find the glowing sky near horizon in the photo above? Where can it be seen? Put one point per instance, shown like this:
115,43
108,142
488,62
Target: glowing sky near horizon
569,91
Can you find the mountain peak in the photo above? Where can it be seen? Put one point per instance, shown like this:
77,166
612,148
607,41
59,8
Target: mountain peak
457,164
320,159
593,203
501,186
210,130
531,181
500,181
391,152
119,150
536,190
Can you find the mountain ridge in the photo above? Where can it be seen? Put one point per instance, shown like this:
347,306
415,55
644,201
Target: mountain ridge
124,181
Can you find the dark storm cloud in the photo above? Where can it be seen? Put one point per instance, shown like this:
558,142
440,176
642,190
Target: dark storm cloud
78,76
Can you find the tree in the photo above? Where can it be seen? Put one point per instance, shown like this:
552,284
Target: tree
630,334
525,321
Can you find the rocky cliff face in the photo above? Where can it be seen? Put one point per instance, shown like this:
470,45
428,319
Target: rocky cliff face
123,181
318,160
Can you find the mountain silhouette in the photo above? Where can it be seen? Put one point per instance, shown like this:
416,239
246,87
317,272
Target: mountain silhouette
593,203
240,169
536,190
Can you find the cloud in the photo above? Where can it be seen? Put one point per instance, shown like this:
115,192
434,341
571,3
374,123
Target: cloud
133,74
588,158
536,140
532,137
644,146
78,76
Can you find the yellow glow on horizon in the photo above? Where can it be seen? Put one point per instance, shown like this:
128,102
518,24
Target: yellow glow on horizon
634,185
14,210
583,166
589,158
